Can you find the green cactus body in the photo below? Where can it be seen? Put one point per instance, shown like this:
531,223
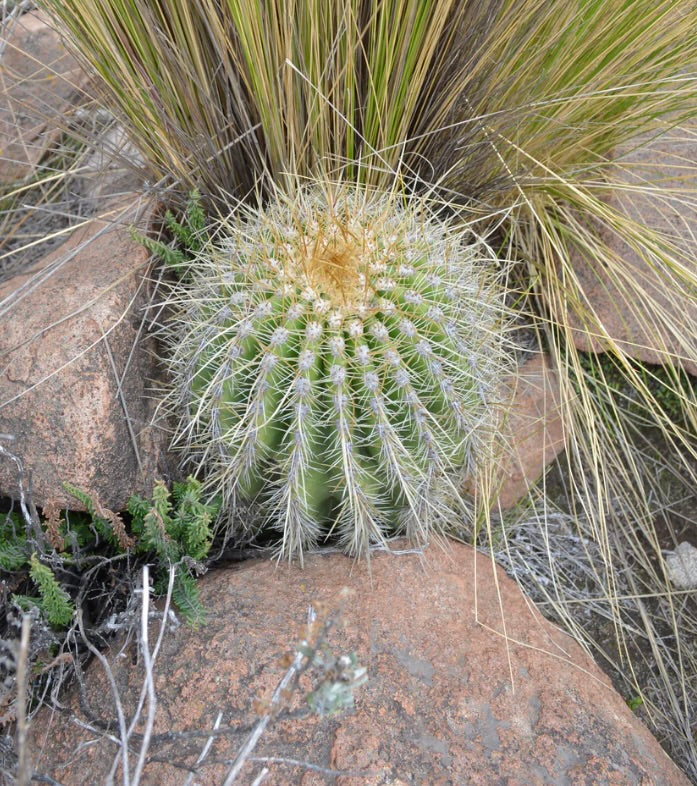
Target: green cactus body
333,360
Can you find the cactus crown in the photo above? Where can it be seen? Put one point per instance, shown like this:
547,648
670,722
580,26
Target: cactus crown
333,355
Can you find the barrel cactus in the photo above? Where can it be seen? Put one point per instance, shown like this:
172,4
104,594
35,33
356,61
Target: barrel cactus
333,356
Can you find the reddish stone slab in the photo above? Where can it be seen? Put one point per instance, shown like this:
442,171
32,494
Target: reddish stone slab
76,367
467,684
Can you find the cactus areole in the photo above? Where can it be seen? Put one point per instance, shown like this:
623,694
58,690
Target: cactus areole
333,357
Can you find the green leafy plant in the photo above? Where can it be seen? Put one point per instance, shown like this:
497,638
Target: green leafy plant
634,703
174,529
13,542
55,602
187,234
178,531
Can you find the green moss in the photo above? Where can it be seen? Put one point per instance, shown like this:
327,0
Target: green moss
640,388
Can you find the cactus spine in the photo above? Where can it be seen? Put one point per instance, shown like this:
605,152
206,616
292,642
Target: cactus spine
333,356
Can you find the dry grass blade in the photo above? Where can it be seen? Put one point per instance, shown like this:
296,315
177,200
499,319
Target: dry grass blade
221,94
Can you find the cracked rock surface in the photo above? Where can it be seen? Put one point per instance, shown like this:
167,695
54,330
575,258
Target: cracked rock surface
76,372
467,684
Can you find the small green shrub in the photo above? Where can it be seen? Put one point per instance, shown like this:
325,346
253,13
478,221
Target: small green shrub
13,543
178,531
169,530
54,601
187,233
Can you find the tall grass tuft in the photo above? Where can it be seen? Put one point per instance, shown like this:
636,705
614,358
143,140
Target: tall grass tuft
221,93
514,109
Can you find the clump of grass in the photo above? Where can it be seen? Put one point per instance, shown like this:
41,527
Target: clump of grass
220,94
672,390
481,97
37,213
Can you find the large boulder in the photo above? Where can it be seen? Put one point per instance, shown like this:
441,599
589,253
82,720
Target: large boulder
77,367
467,684
620,303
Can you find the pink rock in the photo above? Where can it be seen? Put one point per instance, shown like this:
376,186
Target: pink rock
622,310
532,426
467,684
75,372
39,81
